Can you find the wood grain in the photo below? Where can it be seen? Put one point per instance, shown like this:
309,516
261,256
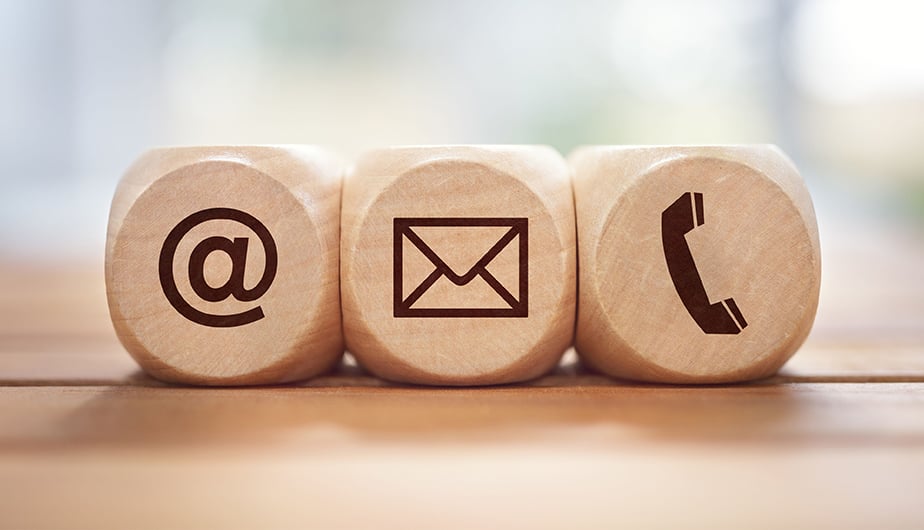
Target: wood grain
461,330
222,263
88,441
847,455
698,264
808,414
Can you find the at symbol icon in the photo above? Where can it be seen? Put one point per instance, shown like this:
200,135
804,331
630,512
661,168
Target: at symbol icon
236,249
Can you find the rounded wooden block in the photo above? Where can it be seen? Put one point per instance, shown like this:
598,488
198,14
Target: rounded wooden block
697,264
222,263
458,263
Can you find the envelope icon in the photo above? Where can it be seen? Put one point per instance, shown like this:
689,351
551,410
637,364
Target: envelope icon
485,262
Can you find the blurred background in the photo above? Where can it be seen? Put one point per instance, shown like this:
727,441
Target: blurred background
839,84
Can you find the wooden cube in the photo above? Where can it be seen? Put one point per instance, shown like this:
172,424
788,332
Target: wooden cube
697,264
222,263
458,263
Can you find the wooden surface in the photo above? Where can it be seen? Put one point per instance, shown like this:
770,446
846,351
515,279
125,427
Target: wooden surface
836,440
244,242
469,231
699,264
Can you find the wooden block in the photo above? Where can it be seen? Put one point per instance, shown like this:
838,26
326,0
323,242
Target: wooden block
458,263
697,264
222,264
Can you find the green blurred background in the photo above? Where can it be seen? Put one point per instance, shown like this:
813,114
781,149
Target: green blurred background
87,85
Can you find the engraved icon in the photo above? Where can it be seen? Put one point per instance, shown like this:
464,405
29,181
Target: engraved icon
719,318
236,250
496,269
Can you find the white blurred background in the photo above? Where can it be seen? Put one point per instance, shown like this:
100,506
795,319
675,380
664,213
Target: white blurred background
839,84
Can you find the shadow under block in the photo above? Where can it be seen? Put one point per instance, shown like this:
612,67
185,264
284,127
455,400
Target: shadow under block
697,264
222,263
458,263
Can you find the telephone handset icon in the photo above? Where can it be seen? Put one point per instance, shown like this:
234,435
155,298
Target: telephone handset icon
720,318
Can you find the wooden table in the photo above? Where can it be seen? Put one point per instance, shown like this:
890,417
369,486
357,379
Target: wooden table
836,440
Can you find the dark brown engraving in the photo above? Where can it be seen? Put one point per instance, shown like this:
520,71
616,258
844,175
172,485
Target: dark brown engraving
403,228
236,249
685,214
